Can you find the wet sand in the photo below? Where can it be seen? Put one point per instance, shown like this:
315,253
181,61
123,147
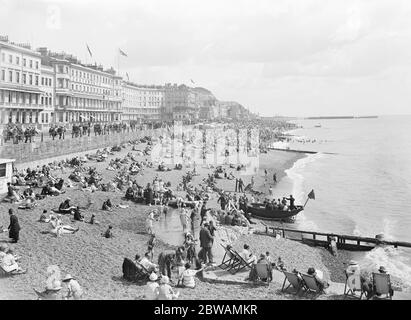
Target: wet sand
96,262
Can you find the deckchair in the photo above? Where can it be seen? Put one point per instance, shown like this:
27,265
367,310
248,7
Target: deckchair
229,259
382,285
263,272
353,282
241,263
293,281
311,284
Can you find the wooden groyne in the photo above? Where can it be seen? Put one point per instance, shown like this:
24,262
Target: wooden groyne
298,151
344,242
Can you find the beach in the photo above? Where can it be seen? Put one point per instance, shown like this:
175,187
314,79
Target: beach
96,262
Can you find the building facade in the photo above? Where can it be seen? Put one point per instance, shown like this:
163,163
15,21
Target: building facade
142,103
20,83
180,103
83,93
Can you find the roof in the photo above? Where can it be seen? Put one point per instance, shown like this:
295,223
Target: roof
6,160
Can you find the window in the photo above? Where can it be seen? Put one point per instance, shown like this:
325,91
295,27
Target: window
47,118
24,78
37,80
31,63
42,118
17,60
30,79
24,62
50,82
10,58
10,76
3,75
37,64
3,168
18,77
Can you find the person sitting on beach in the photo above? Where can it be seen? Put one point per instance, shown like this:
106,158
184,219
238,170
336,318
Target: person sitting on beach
73,287
29,193
151,289
229,219
57,228
66,208
43,217
280,264
107,206
165,290
53,283
77,215
146,263
129,193
12,193
384,271
9,264
187,276
247,255
319,277
108,233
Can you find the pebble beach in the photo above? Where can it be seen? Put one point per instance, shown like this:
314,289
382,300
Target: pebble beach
96,262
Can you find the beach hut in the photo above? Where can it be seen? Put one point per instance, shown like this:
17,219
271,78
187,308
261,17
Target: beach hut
6,172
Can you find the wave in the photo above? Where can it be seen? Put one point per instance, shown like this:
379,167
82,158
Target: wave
299,191
393,259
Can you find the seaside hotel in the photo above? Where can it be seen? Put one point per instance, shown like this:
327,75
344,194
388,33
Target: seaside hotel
83,93
22,99
142,103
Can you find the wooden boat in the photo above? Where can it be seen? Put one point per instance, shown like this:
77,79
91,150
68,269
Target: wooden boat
258,210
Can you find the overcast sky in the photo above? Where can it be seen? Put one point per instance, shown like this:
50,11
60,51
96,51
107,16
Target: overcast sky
297,58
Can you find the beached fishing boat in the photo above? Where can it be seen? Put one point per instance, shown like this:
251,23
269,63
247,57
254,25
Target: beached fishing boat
318,125
258,210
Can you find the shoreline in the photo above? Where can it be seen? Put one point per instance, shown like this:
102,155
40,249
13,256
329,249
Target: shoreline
96,262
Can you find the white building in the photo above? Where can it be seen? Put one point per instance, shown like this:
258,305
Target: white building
83,93
142,103
6,173
20,86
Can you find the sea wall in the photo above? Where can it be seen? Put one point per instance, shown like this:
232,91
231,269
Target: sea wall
27,152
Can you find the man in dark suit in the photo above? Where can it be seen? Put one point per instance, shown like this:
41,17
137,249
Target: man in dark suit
14,227
206,244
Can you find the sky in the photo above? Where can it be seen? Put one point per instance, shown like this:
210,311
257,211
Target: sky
275,57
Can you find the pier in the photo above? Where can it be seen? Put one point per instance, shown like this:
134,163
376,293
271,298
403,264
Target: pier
344,242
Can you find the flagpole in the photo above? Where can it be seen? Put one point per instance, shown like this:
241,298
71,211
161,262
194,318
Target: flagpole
306,202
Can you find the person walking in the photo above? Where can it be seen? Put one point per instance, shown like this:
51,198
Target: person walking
275,177
240,185
14,227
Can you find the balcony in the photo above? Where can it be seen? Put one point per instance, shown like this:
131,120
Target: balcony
14,105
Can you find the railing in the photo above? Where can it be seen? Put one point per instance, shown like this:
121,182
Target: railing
341,240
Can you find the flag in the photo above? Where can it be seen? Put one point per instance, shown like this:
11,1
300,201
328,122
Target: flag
311,195
122,53
192,81
89,51
128,78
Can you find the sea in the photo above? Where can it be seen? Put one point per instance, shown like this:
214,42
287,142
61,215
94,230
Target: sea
361,177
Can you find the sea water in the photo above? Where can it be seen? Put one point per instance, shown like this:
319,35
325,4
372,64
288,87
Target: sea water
364,188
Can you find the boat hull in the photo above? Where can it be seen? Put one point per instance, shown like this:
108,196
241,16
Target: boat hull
261,212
